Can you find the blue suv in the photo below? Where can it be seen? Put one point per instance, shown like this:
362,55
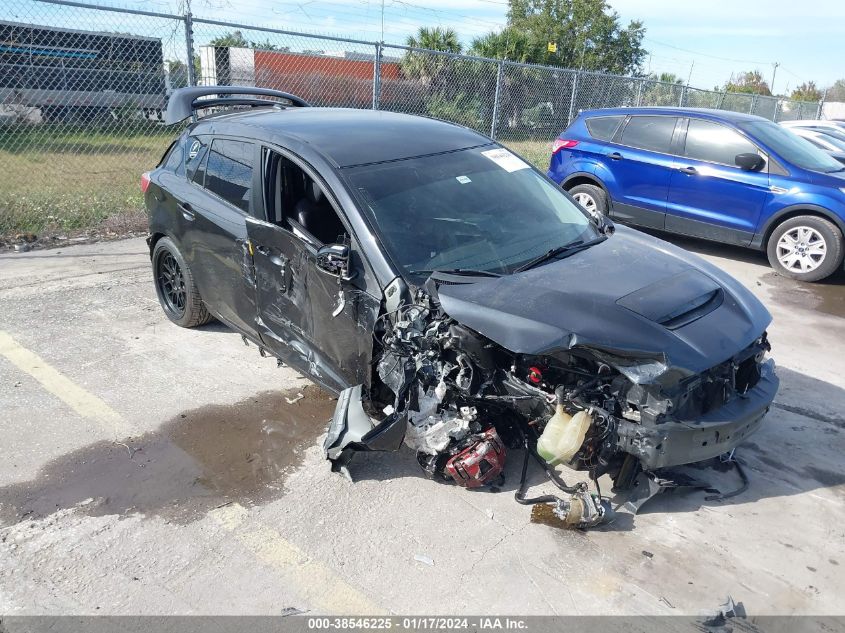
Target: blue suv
723,176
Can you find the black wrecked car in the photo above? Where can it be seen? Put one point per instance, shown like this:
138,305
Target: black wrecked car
454,297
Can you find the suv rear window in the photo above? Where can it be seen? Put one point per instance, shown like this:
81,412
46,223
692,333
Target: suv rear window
603,127
229,171
653,133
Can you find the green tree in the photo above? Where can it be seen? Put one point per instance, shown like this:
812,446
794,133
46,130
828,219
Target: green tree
836,92
436,39
667,78
662,89
751,82
426,68
509,43
586,33
806,92
235,39
178,72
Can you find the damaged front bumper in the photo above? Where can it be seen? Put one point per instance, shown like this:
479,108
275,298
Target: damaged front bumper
675,442
351,429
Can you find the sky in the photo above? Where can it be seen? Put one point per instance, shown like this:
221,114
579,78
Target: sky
703,41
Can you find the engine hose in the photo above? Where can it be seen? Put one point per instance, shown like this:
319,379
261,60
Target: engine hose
519,495
551,473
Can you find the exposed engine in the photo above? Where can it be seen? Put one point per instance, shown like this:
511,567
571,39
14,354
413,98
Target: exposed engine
461,401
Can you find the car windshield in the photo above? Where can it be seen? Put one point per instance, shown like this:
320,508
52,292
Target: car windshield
791,147
475,209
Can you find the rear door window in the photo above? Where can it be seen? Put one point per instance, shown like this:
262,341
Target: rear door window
715,143
653,133
603,128
229,172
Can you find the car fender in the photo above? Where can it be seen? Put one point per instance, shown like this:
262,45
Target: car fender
796,208
604,175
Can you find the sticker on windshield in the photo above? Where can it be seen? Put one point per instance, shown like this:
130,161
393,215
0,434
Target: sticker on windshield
463,179
504,159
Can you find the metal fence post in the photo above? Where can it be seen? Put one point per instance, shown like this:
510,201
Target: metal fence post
820,109
778,106
377,76
189,45
495,121
639,93
753,103
572,99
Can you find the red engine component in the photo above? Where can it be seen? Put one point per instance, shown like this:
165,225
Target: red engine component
479,463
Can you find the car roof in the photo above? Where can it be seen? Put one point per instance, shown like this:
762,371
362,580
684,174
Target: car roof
721,115
347,136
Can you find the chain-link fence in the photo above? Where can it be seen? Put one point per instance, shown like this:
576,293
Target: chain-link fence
83,90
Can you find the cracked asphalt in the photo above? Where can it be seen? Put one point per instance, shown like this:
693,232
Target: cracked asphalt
153,470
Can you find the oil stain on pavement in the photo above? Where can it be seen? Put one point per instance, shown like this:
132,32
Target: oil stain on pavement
197,461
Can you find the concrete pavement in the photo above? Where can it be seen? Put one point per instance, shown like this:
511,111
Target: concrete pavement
153,470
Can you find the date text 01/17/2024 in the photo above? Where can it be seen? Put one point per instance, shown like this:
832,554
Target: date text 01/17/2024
417,623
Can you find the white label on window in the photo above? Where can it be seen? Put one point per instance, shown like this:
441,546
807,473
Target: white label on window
463,179
504,159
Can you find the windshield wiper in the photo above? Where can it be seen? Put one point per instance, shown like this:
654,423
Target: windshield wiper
559,252
468,272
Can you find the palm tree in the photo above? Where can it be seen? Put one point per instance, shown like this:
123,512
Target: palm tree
426,67
435,39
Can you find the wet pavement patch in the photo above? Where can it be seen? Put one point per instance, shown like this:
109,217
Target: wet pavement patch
827,297
197,461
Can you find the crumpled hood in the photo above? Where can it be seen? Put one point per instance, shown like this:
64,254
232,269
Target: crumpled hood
649,308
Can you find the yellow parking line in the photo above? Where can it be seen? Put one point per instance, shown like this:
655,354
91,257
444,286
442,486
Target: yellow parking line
321,587
83,402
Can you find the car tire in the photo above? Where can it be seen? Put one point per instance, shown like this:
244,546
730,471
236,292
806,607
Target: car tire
177,293
807,248
592,198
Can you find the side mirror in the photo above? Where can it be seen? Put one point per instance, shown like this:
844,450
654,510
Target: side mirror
604,224
333,259
749,161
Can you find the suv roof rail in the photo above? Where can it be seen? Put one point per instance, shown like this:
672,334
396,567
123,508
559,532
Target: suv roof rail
184,101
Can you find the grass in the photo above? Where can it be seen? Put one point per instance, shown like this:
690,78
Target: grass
536,152
57,179
67,180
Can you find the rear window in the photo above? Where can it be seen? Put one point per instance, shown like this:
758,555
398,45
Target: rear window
229,172
653,133
603,127
175,160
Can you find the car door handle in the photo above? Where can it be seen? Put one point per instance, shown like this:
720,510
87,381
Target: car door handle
692,171
615,156
263,250
187,211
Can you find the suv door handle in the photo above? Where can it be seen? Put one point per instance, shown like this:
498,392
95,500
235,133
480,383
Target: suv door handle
615,156
187,211
692,171
263,250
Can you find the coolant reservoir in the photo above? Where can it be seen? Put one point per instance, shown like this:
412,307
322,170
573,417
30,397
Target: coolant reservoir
563,435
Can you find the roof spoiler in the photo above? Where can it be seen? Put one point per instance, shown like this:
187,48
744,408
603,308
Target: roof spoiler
184,101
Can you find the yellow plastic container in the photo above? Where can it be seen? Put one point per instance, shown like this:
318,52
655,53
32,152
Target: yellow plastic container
563,436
